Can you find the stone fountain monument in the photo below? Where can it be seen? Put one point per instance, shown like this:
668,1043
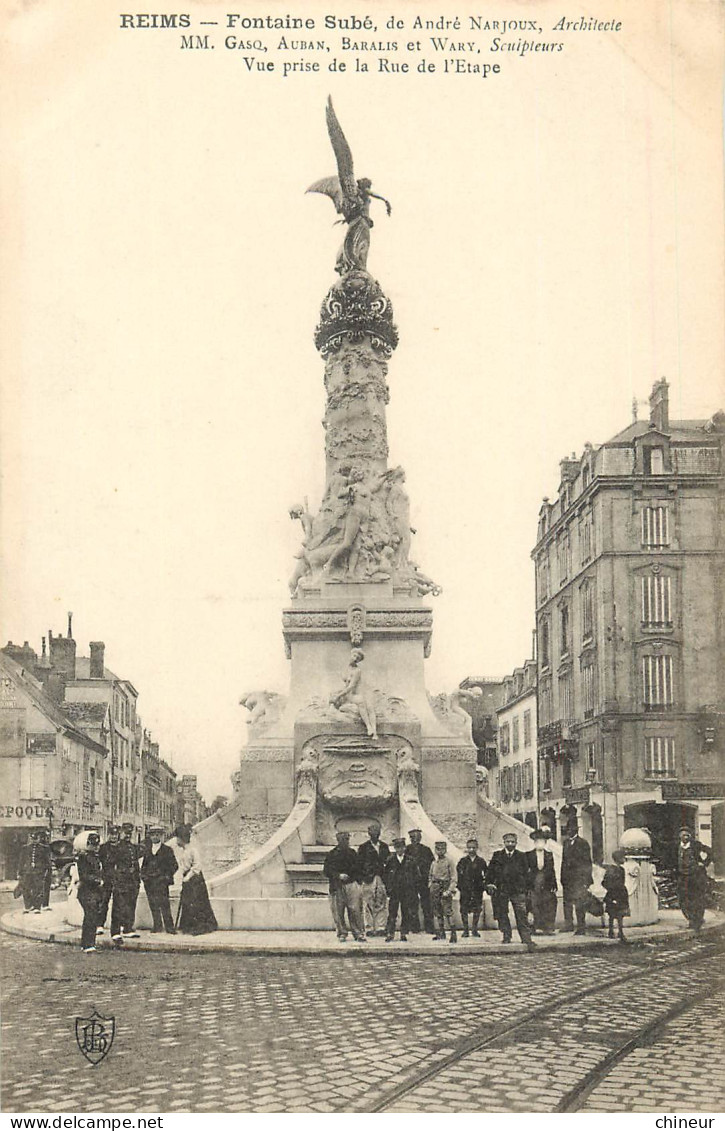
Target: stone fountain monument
357,736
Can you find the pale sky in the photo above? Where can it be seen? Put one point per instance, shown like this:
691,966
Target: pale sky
555,247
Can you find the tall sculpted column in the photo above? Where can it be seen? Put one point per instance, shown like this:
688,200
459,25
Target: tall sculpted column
361,532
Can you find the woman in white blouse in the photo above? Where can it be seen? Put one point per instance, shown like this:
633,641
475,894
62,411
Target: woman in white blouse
196,916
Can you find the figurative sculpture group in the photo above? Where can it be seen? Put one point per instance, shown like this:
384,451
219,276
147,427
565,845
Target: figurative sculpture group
361,532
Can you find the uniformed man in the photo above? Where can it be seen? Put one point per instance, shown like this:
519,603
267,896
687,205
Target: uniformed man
422,858
49,874
33,871
125,881
105,855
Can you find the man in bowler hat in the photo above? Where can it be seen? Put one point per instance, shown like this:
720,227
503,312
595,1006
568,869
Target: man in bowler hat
158,868
401,878
576,878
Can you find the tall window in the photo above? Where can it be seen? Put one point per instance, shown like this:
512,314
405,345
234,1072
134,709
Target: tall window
564,626
544,643
543,575
527,728
515,742
655,526
503,738
657,682
592,757
656,600
566,698
517,782
32,777
587,610
659,756
586,540
589,691
566,772
546,777
545,702
564,557
527,773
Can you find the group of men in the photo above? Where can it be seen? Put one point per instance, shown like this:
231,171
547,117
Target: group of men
374,885
124,865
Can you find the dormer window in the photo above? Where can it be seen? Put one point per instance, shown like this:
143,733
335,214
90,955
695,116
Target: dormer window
654,461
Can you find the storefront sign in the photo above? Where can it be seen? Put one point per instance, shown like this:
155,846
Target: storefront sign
14,813
686,790
577,796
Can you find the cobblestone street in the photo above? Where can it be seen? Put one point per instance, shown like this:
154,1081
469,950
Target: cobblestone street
298,1034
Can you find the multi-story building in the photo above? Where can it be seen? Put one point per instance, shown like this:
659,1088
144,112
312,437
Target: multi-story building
629,612
190,807
53,774
167,796
517,776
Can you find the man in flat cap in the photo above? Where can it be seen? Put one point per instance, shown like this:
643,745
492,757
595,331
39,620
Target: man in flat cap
507,881
422,858
342,868
373,853
158,868
542,884
400,876
692,881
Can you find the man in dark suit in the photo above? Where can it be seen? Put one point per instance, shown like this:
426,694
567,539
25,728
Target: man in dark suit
576,878
401,883
692,861
507,881
542,881
373,853
471,870
158,867
422,858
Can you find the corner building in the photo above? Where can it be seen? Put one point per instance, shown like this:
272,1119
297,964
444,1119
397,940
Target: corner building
629,616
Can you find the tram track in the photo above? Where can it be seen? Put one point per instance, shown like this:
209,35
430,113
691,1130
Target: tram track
645,966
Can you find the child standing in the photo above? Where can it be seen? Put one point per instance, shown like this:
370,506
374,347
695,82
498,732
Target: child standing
442,886
616,901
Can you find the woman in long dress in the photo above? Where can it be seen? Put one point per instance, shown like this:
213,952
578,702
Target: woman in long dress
196,914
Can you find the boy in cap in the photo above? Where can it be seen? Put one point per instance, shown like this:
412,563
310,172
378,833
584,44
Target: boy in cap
442,885
471,871
400,877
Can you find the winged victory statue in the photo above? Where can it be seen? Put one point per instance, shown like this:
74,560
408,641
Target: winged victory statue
351,199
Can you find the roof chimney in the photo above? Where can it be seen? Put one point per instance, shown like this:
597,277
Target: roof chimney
98,649
70,624
659,406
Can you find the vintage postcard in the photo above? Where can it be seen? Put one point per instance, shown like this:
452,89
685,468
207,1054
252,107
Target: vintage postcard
362,717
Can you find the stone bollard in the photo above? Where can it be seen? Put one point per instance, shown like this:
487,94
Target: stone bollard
640,878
